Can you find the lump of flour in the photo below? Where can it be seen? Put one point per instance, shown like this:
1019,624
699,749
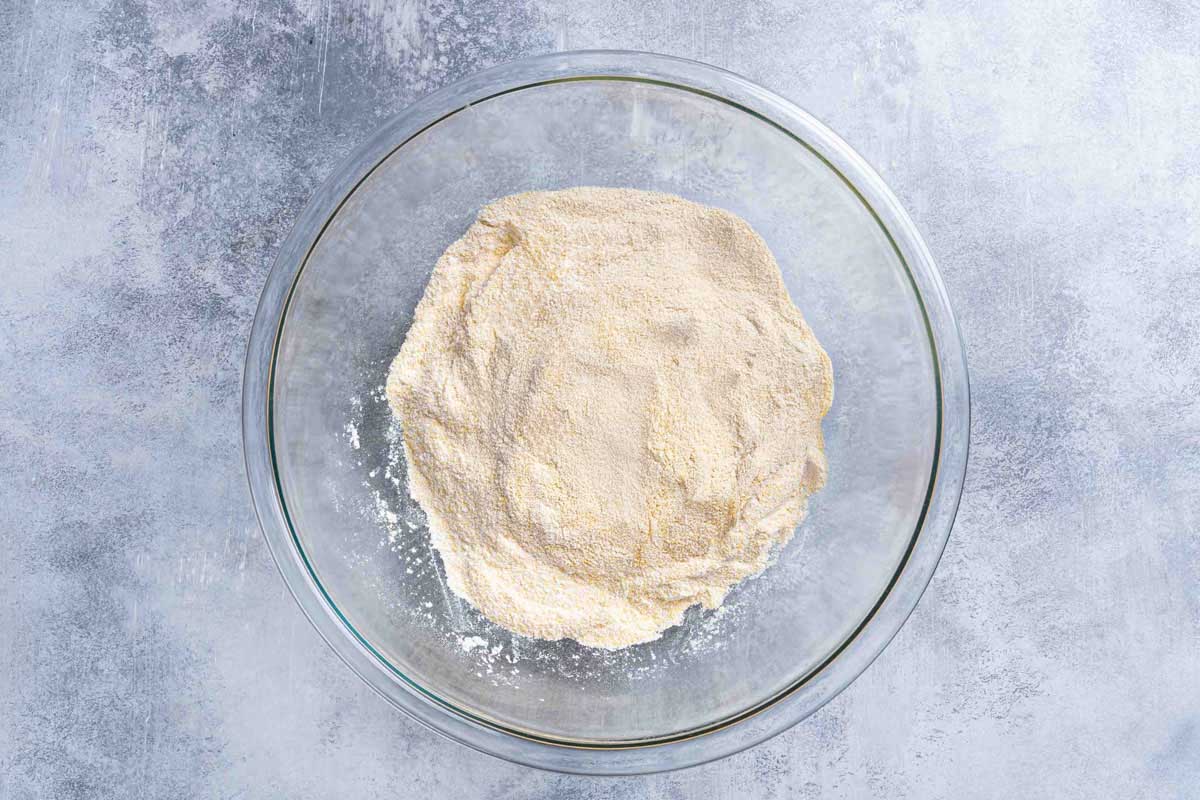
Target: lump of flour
611,411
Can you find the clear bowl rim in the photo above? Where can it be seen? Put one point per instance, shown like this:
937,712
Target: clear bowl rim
808,693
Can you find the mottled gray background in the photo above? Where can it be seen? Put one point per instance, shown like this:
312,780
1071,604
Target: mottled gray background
153,156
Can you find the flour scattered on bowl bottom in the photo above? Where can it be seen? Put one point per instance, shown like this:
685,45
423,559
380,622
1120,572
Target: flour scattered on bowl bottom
494,653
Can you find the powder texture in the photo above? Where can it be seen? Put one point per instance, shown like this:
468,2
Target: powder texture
611,411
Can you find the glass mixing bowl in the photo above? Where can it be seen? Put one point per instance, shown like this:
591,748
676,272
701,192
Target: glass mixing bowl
327,473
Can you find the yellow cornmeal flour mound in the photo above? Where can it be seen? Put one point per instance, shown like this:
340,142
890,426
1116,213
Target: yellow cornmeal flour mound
611,411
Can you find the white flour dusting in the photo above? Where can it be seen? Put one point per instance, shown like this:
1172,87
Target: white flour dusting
497,655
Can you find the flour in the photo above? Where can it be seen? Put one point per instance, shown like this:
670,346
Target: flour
611,411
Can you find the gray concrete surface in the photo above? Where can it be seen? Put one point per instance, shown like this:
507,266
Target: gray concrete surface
153,155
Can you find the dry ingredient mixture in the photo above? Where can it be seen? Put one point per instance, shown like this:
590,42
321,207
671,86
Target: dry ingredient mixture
611,411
